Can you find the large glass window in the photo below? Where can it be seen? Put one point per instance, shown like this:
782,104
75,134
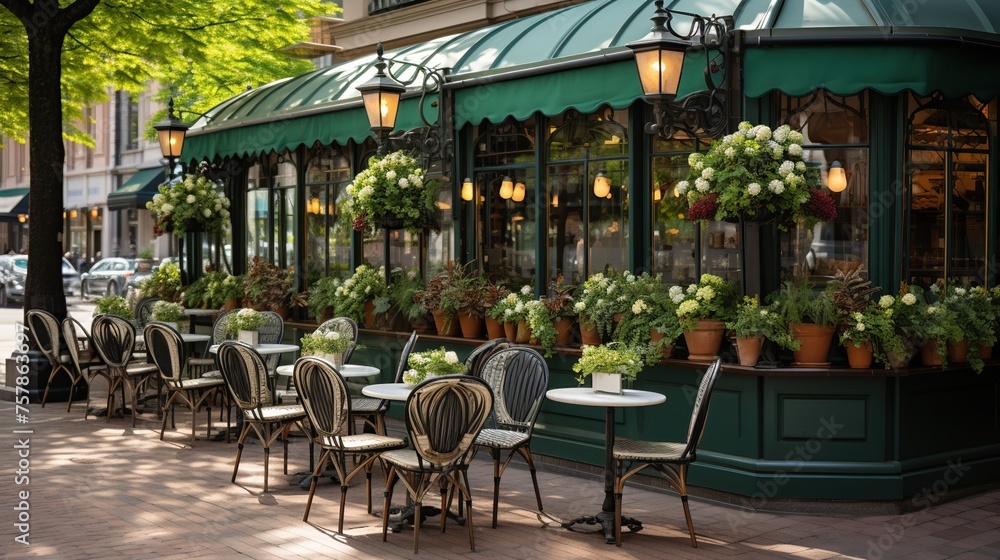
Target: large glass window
505,185
835,129
270,210
673,244
327,237
587,174
947,176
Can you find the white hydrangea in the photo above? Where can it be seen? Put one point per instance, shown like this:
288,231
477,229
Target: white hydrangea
860,327
676,290
403,183
886,301
909,299
960,291
207,213
167,208
763,133
795,150
191,199
786,168
682,187
753,189
708,173
451,357
702,185
579,306
730,152
639,306
390,175
776,187
526,290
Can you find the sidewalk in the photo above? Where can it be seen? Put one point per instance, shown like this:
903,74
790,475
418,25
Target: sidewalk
101,490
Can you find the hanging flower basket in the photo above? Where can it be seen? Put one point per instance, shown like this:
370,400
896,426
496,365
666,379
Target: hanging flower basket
195,204
393,193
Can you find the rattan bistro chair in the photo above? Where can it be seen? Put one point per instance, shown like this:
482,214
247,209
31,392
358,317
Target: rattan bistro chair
669,458
327,401
114,339
166,349
519,377
346,327
247,379
83,367
443,417
372,411
475,360
43,327
204,365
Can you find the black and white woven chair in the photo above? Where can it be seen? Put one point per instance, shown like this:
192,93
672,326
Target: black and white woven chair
271,332
249,384
43,328
204,365
166,350
519,378
114,339
327,402
475,360
85,368
443,417
669,458
372,411
346,327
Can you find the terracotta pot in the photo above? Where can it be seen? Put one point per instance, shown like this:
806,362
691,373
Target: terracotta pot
369,314
859,357
957,351
422,326
704,342
494,329
446,326
472,326
656,336
815,344
748,349
564,330
929,354
986,352
282,311
230,305
523,335
590,336
510,330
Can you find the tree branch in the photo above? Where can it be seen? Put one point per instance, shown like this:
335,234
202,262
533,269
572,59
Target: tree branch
77,11
20,8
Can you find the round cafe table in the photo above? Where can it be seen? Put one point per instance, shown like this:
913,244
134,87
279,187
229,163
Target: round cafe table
264,349
347,370
388,391
187,338
586,396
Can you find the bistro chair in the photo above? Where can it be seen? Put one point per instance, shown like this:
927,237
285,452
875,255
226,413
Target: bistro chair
475,360
166,349
204,365
327,401
43,327
518,377
271,332
78,362
249,384
143,311
443,417
669,458
372,411
114,339
346,327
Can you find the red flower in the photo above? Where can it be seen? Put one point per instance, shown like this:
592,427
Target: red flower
821,205
162,226
704,208
360,223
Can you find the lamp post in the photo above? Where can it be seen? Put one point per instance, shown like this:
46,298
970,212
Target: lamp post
171,132
659,58
381,97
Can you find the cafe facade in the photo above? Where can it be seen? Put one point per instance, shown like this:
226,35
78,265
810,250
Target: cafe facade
547,118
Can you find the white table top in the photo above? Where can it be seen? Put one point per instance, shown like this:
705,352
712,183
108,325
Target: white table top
186,337
388,391
586,396
265,349
201,312
346,370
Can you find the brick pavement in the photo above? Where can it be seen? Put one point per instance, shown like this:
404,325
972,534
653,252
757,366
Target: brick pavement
101,490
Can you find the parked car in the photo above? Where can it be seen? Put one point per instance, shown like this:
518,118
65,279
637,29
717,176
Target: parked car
14,270
108,276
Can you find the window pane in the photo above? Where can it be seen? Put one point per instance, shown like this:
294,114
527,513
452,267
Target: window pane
327,238
609,218
508,235
256,224
673,234
440,244
567,239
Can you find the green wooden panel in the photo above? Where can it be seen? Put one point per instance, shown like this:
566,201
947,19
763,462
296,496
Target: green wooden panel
801,418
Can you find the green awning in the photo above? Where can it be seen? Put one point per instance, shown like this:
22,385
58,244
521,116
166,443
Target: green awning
138,190
281,134
13,201
848,69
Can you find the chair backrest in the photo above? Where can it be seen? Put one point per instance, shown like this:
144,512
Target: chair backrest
43,327
143,312
699,413
166,349
273,328
519,378
404,356
475,360
245,374
69,333
346,327
444,415
114,339
324,395
219,334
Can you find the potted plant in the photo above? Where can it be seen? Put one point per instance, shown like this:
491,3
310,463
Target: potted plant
113,305
869,333
759,175
703,310
599,299
639,326
225,292
608,365
465,298
494,294
754,323
430,298
988,304
393,192
402,292
164,282
329,345
322,297
559,303
172,313
812,318
509,310
193,204
936,325
851,292
355,298
975,317
245,324
268,287
430,364
904,311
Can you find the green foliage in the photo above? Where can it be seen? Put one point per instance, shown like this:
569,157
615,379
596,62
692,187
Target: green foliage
851,292
113,305
145,253
322,294
651,308
465,292
366,284
755,320
613,357
266,284
431,363
221,288
513,306
938,323
406,284
799,303
168,312
394,186
164,282
601,297
195,201
539,319
977,319
711,298
245,319
873,325
329,342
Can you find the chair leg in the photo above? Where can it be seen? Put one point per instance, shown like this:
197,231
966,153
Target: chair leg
618,518
526,453
343,500
69,400
682,490
267,457
444,502
390,478
468,507
163,424
239,449
495,453
417,509
312,486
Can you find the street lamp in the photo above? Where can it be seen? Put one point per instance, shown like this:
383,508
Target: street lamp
381,97
659,58
171,132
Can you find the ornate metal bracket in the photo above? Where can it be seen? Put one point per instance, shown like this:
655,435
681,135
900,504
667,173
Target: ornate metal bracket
434,139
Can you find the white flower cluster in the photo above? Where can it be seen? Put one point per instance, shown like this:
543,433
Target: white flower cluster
195,199
392,186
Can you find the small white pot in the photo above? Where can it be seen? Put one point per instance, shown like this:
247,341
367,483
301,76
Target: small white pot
336,359
249,337
607,382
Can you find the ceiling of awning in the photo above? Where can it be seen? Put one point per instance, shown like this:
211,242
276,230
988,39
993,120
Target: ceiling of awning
601,28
